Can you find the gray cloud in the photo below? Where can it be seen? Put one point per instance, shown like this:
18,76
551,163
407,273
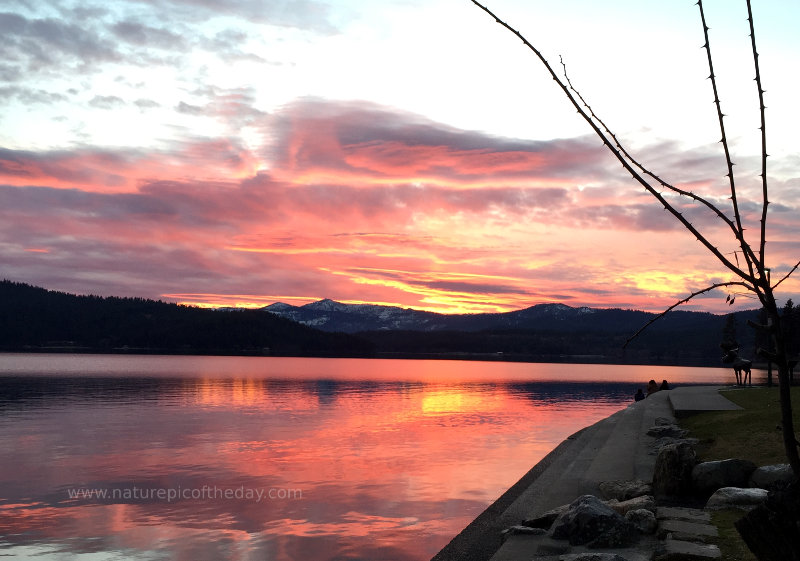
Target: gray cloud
302,14
146,103
31,96
235,107
188,109
31,44
106,102
139,34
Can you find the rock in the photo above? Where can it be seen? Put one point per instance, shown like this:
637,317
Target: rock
527,530
643,520
625,490
661,421
646,502
736,497
671,430
545,520
672,476
767,477
664,440
707,477
588,520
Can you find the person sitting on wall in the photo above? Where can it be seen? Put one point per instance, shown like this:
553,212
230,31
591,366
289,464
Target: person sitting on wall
639,395
664,385
652,387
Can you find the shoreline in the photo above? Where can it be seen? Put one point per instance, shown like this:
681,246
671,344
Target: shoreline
482,537
379,355
616,448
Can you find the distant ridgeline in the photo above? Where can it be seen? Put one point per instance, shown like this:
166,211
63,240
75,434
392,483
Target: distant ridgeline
545,332
35,319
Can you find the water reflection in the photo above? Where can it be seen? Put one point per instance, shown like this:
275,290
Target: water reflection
148,465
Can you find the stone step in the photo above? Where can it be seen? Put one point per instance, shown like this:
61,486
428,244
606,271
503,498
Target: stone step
680,513
678,550
686,531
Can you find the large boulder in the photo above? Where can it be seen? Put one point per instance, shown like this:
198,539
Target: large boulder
672,476
736,497
589,521
768,477
707,477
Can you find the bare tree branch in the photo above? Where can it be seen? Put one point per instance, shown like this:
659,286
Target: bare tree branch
774,286
724,141
756,278
676,304
623,160
763,128
721,215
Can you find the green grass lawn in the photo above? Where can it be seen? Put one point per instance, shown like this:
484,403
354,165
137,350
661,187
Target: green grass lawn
751,434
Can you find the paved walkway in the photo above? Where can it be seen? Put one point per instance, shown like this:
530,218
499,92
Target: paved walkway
688,400
616,448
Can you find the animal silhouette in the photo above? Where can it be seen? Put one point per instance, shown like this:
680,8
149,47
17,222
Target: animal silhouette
741,367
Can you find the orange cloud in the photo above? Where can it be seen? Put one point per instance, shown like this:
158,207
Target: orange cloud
363,203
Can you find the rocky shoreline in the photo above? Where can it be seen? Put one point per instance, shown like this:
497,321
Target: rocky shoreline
664,515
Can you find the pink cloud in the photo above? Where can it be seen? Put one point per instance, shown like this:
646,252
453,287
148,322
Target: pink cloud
106,171
363,203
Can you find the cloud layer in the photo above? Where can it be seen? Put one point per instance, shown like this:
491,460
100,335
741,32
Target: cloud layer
360,202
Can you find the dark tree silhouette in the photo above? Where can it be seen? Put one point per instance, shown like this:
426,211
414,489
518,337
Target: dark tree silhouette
749,266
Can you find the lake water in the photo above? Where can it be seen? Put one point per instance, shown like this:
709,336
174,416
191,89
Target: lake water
231,458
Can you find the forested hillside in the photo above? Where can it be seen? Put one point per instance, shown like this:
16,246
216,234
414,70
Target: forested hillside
33,318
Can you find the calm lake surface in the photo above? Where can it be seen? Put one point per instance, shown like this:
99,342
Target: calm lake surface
232,458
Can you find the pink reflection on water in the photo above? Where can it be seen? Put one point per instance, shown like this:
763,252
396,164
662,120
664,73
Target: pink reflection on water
381,464
215,367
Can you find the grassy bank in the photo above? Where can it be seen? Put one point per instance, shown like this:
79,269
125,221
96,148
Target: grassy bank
754,434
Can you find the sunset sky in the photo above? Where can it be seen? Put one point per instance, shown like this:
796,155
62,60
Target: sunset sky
401,152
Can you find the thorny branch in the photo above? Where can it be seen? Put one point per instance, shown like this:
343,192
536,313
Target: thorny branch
722,216
755,278
620,157
796,265
763,128
676,304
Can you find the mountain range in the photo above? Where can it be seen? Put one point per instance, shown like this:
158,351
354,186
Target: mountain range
36,319
329,315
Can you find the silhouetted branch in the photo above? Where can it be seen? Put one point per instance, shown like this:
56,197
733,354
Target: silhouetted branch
622,159
724,141
756,278
676,304
774,286
646,171
763,128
